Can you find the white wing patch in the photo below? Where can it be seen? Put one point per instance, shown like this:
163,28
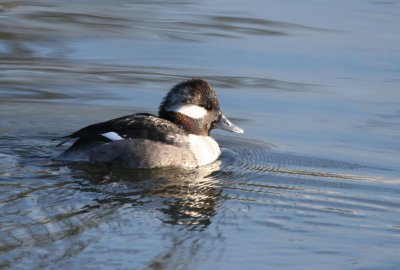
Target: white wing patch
112,136
193,111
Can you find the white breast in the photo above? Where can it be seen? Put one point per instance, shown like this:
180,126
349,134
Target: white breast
204,148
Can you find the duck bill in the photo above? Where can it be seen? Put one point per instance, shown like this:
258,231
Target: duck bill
224,123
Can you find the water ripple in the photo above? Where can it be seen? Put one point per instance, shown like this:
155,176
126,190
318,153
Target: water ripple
42,21
47,203
47,79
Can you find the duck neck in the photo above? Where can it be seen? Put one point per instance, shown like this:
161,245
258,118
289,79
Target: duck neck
192,126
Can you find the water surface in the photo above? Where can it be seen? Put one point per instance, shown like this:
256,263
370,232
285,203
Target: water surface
312,184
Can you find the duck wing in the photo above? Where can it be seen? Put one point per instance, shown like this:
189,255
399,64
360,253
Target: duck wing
141,125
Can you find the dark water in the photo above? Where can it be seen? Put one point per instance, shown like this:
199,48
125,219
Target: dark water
313,183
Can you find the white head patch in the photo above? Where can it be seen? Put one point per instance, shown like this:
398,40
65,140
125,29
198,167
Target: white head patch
193,111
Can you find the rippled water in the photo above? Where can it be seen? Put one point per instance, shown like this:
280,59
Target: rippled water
312,184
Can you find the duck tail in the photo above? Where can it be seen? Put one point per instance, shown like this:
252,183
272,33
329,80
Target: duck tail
64,140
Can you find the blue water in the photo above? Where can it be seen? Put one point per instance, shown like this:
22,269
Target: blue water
312,184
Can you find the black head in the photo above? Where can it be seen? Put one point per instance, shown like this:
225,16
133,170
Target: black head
193,105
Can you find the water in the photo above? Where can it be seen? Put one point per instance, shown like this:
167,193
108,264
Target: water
312,184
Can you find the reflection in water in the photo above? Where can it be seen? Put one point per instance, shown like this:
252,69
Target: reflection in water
184,196
190,199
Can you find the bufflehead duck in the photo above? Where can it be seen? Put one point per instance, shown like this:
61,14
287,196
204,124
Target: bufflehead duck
178,137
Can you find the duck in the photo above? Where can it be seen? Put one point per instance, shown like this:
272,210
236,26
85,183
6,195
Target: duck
178,137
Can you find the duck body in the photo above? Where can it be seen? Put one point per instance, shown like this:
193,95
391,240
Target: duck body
178,137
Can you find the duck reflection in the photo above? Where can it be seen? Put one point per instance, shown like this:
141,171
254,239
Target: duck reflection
184,197
190,198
